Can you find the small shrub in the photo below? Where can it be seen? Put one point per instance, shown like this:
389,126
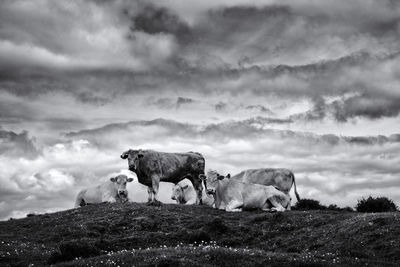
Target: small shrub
379,204
349,209
337,208
334,207
308,204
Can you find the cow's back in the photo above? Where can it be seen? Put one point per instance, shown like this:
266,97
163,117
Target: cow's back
176,166
279,178
171,167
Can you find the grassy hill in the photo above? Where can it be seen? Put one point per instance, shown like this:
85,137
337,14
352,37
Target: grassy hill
141,235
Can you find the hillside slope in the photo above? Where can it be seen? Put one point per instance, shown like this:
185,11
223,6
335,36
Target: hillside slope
134,233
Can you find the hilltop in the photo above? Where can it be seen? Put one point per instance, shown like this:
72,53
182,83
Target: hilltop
136,234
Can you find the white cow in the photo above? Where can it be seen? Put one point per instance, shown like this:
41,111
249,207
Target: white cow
184,193
111,191
281,179
232,195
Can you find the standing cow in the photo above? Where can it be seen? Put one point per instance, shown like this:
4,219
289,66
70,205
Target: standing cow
152,167
282,179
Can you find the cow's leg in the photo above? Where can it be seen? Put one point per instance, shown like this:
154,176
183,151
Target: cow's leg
266,206
276,206
289,204
155,182
234,206
198,187
108,198
199,199
150,194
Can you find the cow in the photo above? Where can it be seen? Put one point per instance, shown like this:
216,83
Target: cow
282,179
231,195
152,167
113,190
184,193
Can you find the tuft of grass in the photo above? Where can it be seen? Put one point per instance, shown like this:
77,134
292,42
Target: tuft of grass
69,250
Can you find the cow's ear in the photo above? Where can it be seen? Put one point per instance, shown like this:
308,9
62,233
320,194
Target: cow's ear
130,180
185,186
202,176
124,155
112,179
140,155
228,175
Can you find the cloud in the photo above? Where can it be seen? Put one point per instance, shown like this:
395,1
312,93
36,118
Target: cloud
182,101
260,108
254,127
370,106
168,103
221,106
17,145
156,20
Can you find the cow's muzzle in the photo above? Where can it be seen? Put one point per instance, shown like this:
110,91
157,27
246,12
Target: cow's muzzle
123,193
211,191
132,168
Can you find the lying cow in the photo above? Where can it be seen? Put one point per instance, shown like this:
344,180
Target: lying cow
232,195
184,193
113,190
282,179
152,167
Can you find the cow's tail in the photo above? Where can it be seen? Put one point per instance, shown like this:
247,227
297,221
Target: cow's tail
295,189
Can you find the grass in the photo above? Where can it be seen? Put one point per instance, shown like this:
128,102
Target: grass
136,234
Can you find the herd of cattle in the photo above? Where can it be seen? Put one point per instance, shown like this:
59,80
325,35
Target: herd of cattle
266,189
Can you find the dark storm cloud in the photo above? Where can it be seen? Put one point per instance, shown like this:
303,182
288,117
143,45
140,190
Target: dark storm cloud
17,145
270,49
156,20
183,100
369,105
220,106
168,103
257,126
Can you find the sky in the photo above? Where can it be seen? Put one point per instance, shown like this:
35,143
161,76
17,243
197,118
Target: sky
311,86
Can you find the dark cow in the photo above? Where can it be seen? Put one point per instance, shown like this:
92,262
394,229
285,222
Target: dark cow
152,167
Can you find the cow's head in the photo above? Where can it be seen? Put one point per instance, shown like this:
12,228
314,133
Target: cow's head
211,180
119,183
178,193
133,157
